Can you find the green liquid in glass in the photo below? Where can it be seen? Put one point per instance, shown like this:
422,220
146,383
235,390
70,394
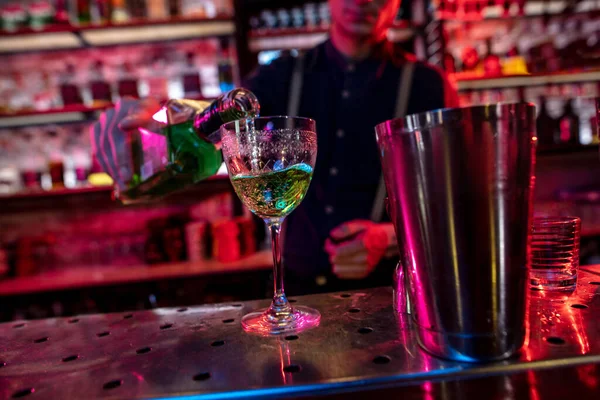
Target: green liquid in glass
274,194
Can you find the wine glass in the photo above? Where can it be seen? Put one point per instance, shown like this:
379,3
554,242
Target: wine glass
270,162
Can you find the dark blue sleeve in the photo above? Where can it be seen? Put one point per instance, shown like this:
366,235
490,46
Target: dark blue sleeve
270,83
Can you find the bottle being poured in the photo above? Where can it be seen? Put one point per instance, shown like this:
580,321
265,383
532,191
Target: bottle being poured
150,154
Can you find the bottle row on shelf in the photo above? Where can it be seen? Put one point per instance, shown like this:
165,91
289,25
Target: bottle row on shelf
566,113
312,16
97,77
474,10
38,14
51,157
497,48
155,238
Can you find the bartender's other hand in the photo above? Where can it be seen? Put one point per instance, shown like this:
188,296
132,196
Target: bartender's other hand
109,135
357,246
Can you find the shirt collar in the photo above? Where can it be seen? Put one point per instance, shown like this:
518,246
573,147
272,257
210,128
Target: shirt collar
381,51
380,55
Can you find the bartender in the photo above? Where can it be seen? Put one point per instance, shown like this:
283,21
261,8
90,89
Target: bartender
348,84
336,239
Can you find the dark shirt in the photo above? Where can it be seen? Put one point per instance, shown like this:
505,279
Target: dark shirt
346,99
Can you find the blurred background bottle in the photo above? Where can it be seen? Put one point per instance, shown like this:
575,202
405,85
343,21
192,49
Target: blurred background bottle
225,66
99,87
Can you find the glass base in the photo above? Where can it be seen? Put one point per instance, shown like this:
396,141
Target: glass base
553,281
300,319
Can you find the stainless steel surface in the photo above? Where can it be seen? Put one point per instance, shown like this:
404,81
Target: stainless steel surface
459,183
361,344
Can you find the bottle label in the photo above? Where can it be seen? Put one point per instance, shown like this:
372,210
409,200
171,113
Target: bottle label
155,151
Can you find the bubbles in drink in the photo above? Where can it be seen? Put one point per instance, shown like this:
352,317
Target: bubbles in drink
274,194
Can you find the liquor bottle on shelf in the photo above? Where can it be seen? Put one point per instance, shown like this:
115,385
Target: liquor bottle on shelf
186,148
547,127
283,18
56,168
310,15
255,23
452,10
192,86
297,17
491,62
174,8
268,19
127,84
157,80
69,91
224,8
45,95
83,12
61,12
101,93
119,13
568,125
32,164
225,67
101,11
471,8
470,59
41,13
157,9
81,163
449,63
324,15
137,8
193,8
13,17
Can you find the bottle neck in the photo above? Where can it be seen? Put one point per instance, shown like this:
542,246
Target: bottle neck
208,122
231,106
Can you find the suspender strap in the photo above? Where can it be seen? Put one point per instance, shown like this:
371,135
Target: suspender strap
402,98
296,87
294,106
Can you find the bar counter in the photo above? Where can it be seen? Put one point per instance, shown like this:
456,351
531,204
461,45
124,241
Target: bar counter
362,347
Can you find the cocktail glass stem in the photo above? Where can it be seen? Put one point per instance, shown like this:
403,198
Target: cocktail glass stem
280,309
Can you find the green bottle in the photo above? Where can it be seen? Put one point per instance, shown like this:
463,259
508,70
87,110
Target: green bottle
187,148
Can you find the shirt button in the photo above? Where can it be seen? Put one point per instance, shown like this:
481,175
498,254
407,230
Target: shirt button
351,67
328,210
321,280
333,171
340,133
345,94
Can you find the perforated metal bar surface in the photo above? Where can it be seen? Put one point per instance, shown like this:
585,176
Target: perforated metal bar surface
202,351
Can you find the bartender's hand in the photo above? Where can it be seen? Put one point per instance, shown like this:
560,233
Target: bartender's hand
357,246
109,135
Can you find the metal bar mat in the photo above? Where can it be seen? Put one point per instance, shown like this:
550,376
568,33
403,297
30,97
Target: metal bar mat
202,351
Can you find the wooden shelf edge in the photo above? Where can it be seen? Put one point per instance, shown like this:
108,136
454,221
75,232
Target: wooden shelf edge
302,39
78,278
76,37
69,28
508,81
43,194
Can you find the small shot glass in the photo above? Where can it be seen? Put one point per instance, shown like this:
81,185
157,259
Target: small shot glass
555,253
